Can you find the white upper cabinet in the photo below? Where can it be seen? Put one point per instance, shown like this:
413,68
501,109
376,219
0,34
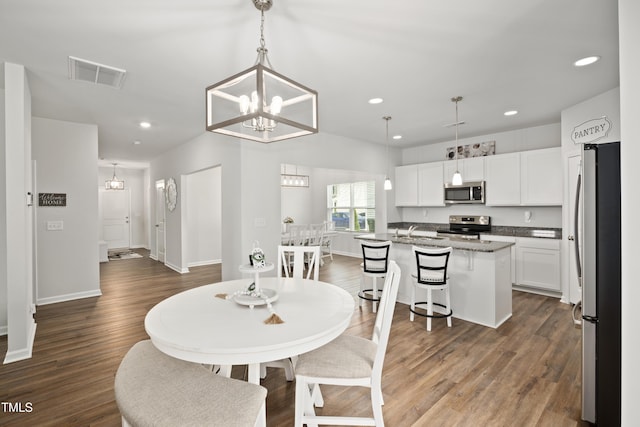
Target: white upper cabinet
430,184
541,177
502,176
472,169
527,178
406,185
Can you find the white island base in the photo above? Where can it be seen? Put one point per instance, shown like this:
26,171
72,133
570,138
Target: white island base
480,284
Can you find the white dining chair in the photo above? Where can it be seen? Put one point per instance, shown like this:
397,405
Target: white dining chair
348,361
153,389
325,248
297,256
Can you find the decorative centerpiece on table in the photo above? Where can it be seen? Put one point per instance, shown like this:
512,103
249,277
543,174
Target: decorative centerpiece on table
253,295
256,259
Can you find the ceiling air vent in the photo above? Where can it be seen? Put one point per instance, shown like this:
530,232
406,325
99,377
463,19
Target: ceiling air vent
92,72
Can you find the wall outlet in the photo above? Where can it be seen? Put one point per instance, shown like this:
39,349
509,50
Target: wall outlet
527,216
55,225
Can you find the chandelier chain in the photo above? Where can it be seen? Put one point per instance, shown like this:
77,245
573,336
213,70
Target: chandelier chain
263,56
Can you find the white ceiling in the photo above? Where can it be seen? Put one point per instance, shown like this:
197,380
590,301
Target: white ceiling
416,54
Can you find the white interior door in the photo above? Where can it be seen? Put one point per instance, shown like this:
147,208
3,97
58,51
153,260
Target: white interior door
114,217
575,292
160,221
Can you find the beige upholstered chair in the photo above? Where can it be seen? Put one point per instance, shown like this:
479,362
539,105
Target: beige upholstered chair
431,275
348,361
153,389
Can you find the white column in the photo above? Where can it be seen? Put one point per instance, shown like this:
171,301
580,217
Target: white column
19,257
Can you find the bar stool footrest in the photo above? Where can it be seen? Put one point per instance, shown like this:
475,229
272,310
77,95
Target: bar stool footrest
433,316
363,295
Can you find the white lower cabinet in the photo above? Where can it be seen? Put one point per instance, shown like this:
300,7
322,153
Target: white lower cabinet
510,239
538,263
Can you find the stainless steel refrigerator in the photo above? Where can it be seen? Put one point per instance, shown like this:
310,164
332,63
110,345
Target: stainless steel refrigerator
601,336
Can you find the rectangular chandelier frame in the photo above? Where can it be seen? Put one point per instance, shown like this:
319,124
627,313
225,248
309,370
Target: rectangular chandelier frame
298,115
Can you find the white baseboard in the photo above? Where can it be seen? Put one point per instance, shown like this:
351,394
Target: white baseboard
24,353
69,297
176,268
202,263
4,330
153,257
537,291
349,254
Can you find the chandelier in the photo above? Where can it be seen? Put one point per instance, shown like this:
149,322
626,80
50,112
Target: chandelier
260,104
114,183
293,179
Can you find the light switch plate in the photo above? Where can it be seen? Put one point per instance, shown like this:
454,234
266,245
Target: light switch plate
55,225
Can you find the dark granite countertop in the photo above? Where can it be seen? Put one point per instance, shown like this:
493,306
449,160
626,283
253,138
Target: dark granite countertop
496,230
441,242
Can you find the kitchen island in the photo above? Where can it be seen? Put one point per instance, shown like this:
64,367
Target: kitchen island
479,275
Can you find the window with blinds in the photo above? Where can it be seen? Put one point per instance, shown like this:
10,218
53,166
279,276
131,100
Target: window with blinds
352,206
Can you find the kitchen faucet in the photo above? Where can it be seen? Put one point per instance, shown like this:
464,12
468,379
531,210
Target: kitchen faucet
411,230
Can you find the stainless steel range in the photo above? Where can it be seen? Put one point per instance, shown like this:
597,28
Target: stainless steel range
466,226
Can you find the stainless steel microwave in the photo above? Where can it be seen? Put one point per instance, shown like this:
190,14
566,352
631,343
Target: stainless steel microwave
468,192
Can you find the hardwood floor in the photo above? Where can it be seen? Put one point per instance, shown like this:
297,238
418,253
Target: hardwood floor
525,373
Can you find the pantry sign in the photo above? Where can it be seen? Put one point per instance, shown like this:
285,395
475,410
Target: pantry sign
591,131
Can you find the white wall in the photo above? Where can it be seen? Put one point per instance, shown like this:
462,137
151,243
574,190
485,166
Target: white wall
207,150
296,201
66,156
204,217
136,181
533,138
251,192
629,15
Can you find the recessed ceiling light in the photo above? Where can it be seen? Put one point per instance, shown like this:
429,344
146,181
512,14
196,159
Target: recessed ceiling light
586,61
511,113
397,136
375,101
145,125
137,142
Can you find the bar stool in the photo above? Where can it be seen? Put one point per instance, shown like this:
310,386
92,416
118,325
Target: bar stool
375,260
431,274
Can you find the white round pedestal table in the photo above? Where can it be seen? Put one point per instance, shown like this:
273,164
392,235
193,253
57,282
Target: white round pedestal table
199,327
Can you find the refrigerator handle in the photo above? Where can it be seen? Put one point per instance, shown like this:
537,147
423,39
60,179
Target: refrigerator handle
576,229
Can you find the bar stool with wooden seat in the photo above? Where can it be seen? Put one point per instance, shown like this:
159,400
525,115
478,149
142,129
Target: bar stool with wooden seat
431,275
375,261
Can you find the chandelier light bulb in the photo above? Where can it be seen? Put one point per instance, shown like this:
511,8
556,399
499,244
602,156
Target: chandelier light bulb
276,104
244,104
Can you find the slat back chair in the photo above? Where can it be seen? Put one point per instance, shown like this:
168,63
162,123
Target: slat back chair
348,361
299,254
